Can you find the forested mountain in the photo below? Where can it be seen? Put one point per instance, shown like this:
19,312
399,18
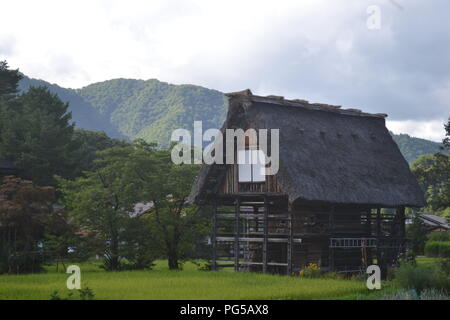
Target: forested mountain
139,109
152,109
83,114
412,148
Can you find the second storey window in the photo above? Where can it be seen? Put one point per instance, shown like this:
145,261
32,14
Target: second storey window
251,166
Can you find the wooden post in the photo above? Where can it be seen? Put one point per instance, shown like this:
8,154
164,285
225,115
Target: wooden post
378,222
213,238
290,247
266,227
236,234
402,229
380,261
330,250
369,251
369,222
401,216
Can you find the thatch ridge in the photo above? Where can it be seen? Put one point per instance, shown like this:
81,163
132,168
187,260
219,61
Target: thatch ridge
327,153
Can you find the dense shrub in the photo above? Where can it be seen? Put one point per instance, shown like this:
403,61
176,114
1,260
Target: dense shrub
84,294
439,236
437,249
443,265
417,236
427,294
202,265
410,276
23,262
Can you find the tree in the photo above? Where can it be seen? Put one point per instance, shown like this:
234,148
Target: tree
433,174
61,241
176,227
37,136
9,80
104,199
417,235
446,140
88,143
25,211
102,203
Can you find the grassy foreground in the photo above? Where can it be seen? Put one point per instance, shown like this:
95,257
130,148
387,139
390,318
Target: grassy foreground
189,283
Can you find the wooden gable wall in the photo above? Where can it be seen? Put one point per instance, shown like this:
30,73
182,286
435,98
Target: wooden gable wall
231,184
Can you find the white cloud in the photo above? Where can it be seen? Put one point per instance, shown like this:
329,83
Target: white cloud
317,50
178,41
431,130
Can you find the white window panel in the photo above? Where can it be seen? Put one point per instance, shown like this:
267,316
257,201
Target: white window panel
258,166
245,167
251,166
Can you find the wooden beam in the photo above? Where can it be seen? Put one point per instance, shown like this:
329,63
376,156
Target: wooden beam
251,216
378,222
380,263
213,238
290,245
261,240
236,234
331,250
266,231
401,216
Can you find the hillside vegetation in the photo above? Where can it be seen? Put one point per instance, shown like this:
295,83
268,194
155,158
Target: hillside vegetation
83,114
152,109
412,148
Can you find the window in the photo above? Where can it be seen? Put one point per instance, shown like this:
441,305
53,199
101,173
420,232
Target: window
252,166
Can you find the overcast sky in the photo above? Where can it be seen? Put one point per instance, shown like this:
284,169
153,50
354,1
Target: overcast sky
318,50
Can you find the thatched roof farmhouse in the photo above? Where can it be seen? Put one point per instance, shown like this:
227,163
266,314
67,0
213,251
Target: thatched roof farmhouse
342,184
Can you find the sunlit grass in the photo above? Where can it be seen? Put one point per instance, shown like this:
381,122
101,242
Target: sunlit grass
425,261
189,283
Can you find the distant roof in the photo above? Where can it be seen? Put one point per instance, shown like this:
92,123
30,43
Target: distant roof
141,208
327,153
6,164
432,220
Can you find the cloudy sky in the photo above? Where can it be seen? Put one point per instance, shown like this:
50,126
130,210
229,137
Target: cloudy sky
318,50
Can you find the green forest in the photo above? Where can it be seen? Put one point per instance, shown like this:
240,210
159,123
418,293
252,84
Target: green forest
80,189
412,147
132,109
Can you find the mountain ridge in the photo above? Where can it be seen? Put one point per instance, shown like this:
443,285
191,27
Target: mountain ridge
152,109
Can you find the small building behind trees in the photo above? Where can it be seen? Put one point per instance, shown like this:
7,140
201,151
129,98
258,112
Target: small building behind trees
7,168
431,222
337,200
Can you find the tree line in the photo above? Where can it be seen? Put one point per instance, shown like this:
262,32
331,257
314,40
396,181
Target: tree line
432,172
77,193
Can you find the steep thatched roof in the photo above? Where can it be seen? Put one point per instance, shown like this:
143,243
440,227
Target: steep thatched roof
326,153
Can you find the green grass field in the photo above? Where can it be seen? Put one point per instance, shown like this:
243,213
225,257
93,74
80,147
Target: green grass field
189,283
426,261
